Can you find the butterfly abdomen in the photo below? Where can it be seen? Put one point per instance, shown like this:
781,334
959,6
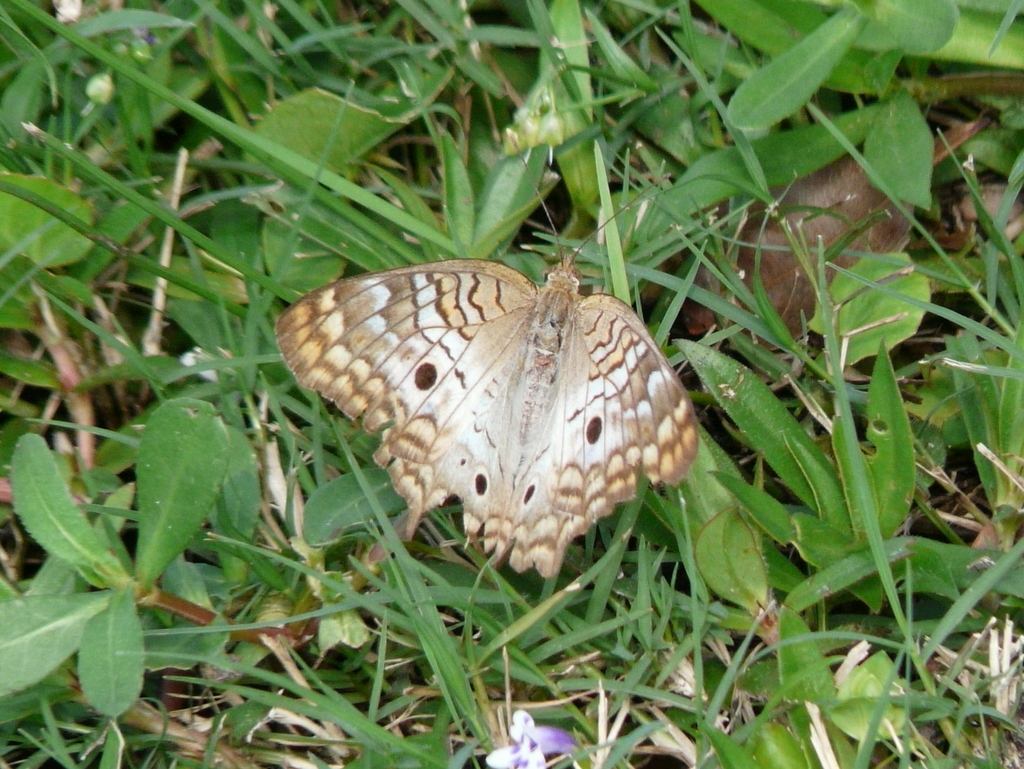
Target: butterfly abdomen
541,365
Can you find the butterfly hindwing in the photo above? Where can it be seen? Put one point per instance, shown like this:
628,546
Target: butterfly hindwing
619,409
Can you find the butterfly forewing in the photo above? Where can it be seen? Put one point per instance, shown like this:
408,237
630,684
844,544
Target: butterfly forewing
371,340
535,406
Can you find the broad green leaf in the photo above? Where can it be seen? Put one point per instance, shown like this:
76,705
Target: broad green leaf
843,574
341,503
168,651
1011,584
621,63
11,431
459,200
513,190
730,561
915,26
35,233
185,579
669,123
767,423
892,468
16,315
705,496
240,496
32,372
44,505
899,149
238,505
110,659
945,570
775,747
336,131
974,36
810,459
783,86
770,27
39,632
819,542
868,318
775,27
868,687
763,508
804,673
181,466
730,754
23,97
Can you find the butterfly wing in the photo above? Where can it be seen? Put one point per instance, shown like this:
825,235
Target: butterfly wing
620,408
425,348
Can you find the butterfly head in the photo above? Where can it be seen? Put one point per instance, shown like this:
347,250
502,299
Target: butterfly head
564,276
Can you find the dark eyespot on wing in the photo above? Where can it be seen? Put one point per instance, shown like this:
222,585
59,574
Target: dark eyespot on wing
426,376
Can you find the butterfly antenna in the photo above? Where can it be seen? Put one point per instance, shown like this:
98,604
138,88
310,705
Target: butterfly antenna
524,156
605,222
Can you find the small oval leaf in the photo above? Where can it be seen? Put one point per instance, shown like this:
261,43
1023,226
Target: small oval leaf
730,561
918,26
341,503
43,239
181,466
40,632
44,504
899,148
780,88
111,660
867,317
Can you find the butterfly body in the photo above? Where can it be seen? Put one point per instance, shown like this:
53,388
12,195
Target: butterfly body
543,361
536,406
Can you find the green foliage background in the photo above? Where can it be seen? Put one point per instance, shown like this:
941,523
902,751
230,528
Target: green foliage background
191,549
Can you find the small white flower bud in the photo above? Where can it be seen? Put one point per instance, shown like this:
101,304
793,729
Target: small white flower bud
100,88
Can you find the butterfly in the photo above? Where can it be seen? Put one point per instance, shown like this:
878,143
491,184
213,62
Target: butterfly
534,405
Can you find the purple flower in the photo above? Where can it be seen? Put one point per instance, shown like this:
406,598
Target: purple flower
530,744
143,34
